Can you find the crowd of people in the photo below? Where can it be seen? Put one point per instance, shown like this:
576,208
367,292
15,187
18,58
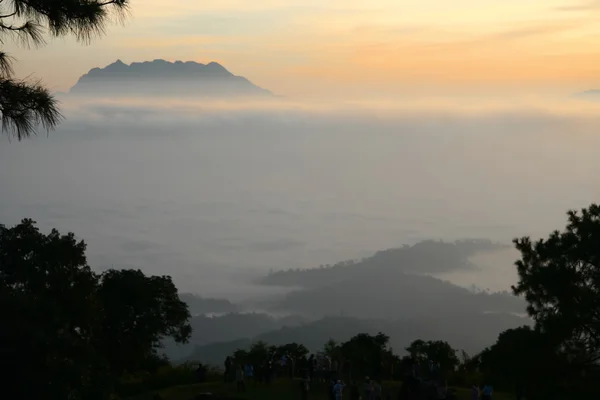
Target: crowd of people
420,381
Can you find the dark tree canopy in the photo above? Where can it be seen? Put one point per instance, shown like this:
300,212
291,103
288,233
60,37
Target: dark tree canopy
69,333
560,279
436,350
139,312
367,353
25,105
522,355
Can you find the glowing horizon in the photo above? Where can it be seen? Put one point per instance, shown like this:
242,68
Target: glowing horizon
329,47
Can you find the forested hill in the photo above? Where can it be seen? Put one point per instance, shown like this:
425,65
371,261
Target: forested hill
424,257
464,331
202,305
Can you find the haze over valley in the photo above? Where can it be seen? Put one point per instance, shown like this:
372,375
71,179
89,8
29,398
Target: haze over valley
277,212
262,200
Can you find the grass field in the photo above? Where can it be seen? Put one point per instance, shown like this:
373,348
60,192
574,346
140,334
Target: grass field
280,390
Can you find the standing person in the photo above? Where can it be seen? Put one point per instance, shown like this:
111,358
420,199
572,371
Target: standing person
475,392
377,395
331,392
269,372
305,385
368,389
227,369
200,373
338,389
249,371
239,379
283,363
486,392
442,390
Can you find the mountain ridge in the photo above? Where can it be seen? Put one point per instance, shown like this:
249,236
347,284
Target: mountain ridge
469,332
161,77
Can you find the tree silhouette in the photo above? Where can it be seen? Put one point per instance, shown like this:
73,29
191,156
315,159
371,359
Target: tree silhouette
25,105
560,279
332,349
68,333
48,314
367,354
523,356
139,311
436,351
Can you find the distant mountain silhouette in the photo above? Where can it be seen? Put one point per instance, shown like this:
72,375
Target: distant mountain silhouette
390,296
160,77
428,256
469,332
228,327
391,284
199,305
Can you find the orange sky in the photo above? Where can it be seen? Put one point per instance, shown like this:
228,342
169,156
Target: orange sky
323,47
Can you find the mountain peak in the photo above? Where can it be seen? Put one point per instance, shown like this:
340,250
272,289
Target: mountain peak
214,64
161,77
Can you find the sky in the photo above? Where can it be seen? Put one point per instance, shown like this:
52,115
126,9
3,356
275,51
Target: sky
344,47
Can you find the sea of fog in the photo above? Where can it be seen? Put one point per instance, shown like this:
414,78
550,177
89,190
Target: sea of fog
215,195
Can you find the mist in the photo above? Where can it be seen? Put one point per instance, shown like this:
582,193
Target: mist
217,194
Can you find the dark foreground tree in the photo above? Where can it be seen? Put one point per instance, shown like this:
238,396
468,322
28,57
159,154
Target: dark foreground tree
525,357
139,312
25,105
435,351
62,324
560,279
367,354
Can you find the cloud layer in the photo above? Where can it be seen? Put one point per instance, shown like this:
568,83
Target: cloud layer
205,191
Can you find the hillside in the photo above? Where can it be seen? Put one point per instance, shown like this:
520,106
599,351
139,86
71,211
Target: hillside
387,292
164,78
396,295
201,305
228,327
426,257
391,284
463,331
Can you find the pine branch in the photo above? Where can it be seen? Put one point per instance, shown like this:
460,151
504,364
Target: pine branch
24,106
28,32
6,69
82,18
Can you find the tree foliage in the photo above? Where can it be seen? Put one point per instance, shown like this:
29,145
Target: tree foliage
68,332
260,351
523,356
332,349
560,279
139,311
24,105
437,350
294,351
367,353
